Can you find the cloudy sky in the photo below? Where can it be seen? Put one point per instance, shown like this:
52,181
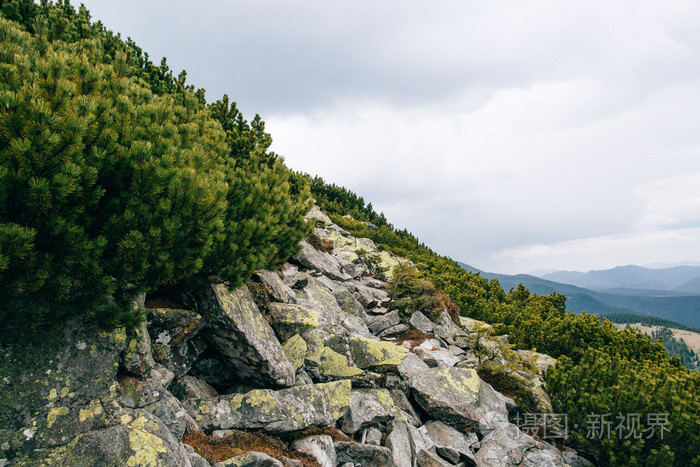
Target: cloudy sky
514,136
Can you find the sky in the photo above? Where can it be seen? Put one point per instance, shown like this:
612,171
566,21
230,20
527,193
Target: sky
513,136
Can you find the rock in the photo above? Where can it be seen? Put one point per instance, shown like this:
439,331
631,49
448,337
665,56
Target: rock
320,447
378,323
195,459
188,387
321,262
473,325
526,385
459,398
287,462
421,322
372,436
354,270
318,216
542,361
242,335
370,297
139,439
349,304
162,375
320,298
364,455
214,369
294,278
58,384
508,446
450,443
290,319
175,339
429,459
411,365
376,355
399,443
574,460
282,411
250,459
169,411
367,407
295,348
436,358
447,330
277,289
137,358
402,402
393,331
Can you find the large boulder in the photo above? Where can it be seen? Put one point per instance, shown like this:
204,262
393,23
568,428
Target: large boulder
368,407
277,290
450,443
376,355
320,261
243,336
365,455
508,446
282,411
290,319
458,397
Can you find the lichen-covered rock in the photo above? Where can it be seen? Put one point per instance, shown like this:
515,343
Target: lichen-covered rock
365,455
295,348
318,297
175,339
393,331
333,366
527,386
318,216
447,330
137,358
459,398
320,261
250,459
282,411
138,439
402,402
169,410
473,325
411,365
399,443
349,304
57,385
242,335
376,355
368,407
320,447
291,319
188,387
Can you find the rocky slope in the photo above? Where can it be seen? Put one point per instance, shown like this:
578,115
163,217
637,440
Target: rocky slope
312,345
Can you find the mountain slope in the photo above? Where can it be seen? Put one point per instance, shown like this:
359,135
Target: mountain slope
634,277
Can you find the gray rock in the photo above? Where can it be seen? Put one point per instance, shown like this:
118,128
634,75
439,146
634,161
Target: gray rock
436,358
320,447
349,304
372,436
188,387
574,460
176,341
295,348
399,443
421,322
459,398
393,331
367,407
354,270
169,411
449,442
378,323
411,365
402,402
376,355
282,411
287,462
370,297
447,330
320,298
250,459
321,262
195,459
278,290
242,335
365,455
318,216
509,446
429,459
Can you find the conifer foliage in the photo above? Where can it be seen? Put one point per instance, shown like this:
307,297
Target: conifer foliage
110,185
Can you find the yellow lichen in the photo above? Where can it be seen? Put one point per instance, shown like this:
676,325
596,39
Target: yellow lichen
54,414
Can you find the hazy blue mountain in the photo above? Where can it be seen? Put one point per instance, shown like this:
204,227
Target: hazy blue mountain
630,277
678,306
692,286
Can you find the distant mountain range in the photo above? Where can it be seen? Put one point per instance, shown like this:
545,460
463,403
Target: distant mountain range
628,290
679,278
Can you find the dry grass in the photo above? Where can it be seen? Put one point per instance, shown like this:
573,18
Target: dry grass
239,442
692,339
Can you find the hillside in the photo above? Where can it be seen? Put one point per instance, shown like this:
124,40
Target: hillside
629,277
170,297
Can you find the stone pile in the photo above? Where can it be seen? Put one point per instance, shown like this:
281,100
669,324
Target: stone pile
311,345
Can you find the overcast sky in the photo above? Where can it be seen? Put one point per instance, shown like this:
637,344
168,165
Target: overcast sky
514,136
